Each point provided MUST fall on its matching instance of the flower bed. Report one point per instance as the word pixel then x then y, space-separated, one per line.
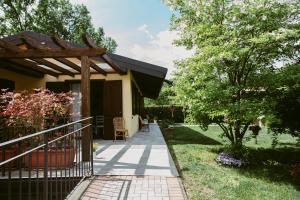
pixel 227 159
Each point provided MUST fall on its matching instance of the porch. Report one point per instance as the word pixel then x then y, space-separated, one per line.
pixel 144 154
pixel 48 164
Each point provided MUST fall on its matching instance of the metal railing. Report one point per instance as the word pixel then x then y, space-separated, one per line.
pixel 44 165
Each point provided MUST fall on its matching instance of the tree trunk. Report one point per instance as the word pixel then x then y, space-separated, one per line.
pixel 235 133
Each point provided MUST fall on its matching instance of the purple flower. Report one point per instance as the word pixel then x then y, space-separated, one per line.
pixel 227 159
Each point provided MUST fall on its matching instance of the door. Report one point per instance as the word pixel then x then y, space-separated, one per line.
pixel 112 106
pixel 97 107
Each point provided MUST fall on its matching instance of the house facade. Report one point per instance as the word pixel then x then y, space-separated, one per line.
pixel 118 85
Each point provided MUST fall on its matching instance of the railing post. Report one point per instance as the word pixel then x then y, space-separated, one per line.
pixel 46 167
pixel 92 155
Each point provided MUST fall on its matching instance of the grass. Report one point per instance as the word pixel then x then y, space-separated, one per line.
pixel 95 147
pixel 268 176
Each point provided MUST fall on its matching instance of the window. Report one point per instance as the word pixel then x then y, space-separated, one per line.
pixel 7 84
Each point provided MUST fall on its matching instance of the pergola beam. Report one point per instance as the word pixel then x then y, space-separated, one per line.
pixel 33 43
pixel 90 43
pixel 69 63
pixel 34 66
pixel 37 45
pixel 64 45
pixel 97 68
pixel 9 47
pixel 5 64
pixel 61 43
pixel 41 51
pixel 53 53
pixel 15 49
pixel 53 66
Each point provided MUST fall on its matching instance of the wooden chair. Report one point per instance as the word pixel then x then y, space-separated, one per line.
pixel 119 128
pixel 144 124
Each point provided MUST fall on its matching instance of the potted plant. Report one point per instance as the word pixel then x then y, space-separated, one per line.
pixel 39 110
pixel 8 151
pixel 60 155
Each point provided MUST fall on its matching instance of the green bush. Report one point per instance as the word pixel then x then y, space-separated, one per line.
pixel 166 123
pixel 165 112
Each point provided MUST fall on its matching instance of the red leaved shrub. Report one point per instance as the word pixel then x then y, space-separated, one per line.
pixel 34 108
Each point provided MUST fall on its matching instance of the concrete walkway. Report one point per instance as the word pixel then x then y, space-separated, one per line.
pixel 139 169
pixel 146 153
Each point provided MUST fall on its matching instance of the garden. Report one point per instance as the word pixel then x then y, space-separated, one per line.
pixel 273 172
pixel 240 95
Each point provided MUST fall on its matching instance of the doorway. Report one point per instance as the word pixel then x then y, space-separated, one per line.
pixel 97 104
pixel 106 101
pixel 96 100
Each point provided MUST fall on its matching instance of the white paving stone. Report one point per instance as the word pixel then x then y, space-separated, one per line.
pixel 146 153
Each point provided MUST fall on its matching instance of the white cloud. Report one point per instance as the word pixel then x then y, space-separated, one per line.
pixel 137 43
pixel 159 50
pixel 144 28
pixel 79 1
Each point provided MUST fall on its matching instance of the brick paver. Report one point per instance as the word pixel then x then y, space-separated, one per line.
pixel 134 188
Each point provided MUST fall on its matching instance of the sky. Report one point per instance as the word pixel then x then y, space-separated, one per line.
pixel 140 27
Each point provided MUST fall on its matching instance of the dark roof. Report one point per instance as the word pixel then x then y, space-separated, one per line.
pixel 149 77
pixel 15 39
pixel 139 66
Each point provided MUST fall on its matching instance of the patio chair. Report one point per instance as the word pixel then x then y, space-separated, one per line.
pixel 144 124
pixel 99 124
pixel 119 128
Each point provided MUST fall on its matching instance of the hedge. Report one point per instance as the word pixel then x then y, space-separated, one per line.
pixel 165 112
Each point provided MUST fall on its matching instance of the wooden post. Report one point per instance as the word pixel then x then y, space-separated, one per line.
pixel 85 107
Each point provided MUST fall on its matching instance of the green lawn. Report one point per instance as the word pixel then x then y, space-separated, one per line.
pixel 268 177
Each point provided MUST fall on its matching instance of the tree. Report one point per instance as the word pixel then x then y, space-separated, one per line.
pixel 165 96
pixel 57 17
pixel 286 94
pixel 237 45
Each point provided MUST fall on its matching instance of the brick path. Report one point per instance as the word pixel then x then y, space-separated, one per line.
pixel 134 188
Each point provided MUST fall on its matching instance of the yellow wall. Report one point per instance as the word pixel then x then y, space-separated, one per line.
pixel 23 82
pixel 131 121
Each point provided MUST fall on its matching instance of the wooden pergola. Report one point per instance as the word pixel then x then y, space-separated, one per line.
pixel 35 55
